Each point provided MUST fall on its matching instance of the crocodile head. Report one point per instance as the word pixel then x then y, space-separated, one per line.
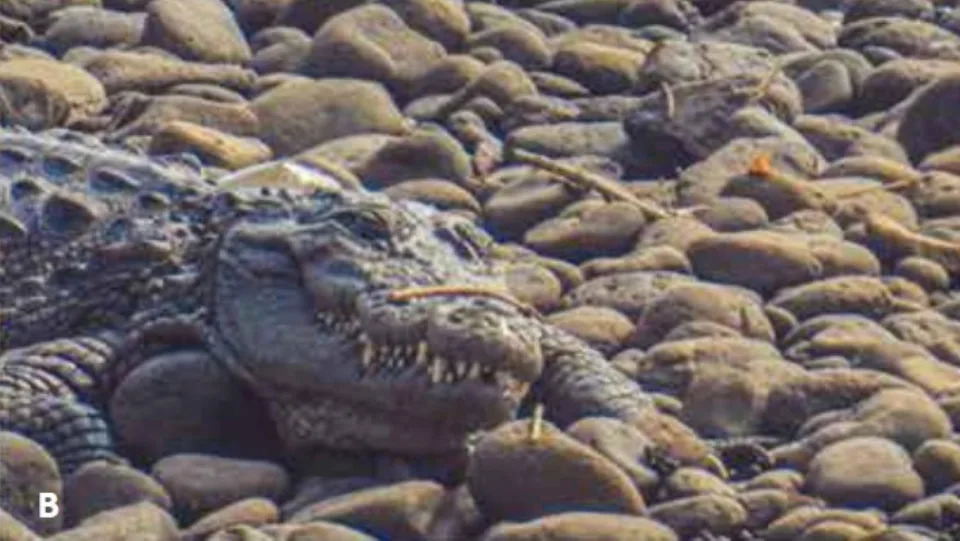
pixel 324 315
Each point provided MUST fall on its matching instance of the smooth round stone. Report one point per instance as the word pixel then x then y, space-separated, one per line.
pixel 864 472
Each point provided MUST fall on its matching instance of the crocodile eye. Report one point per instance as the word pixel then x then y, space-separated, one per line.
pixel 368 225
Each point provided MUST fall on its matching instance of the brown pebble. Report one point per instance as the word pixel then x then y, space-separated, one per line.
pixel 26 469
pixel 100 486
pixel 212 146
pixel 516 476
pixel 200 484
pixel 400 511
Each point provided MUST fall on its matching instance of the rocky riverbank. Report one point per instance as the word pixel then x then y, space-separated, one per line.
pixel 752 208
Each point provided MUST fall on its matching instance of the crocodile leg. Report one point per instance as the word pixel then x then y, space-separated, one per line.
pixel 578 382
pixel 46 392
pixel 72 432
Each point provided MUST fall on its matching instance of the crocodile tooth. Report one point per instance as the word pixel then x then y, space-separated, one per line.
pixel 366 358
pixel 474 371
pixel 422 352
pixel 436 369
pixel 460 369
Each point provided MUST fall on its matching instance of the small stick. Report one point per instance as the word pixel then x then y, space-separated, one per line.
pixel 536 423
pixel 411 293
pixel 760 91
pixel 893 186
pixel 580 178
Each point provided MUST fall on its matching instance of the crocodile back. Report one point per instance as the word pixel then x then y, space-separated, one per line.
pixel 89 232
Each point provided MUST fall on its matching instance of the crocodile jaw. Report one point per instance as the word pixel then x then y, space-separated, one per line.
pixel 312 328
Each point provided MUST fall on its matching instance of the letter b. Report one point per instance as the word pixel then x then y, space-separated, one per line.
pixel 49 508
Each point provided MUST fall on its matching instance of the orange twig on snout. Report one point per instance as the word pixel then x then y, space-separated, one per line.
pixel 411 293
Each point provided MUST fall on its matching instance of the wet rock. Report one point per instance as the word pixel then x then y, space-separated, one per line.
pixel 891 82
pixel 146 72
pixel 710 177
pixel 526 198
pixel 534 284
pixel 939 512
pixel 836 139
pixel 501 81
pixel 251 512
pixel 200 484
pixel 558 85
pixel 537 110
pixel 929 329
pixel 210 145
pixel 938 462
pixel 729 214
pixel 14 530
pixel 327 531
pixel 420 155
pixel 550 24
pixel 903 416
pixel 569 475
pixel 826 87
pixel 515 43
pixel 449 74
pixel 928 274
pixel 628 293
pixel 587 229
pixel 623 444
pixel 602 69
pixel 719 400
pixel 677 232
pixel 680 61
pixel 917 39
pixel 844 294
pixel 777 27
pixel 909 9
pixel 283 53
pixel 82 94
pixel 698 115
pixel 201 30
pixel 864 472
pixel 606 139
pixel 95 27
pixel 840 258
pixel 603 328
pixel 831 523
pixel 671 367
pixel 711 512
pixel 100 486
pixel 143 520
pixel 371 42
pixel 208 92
pixel 578 525
pixel 689 482
pixel 655 258
pixel 26 469
pixel 145 115
pixel 441 194
pixel 299 114
pixel 763 261
pixel 765 505
pixel 400 511
pixel 701 302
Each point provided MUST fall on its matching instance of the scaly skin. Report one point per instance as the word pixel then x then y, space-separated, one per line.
pixel 301 297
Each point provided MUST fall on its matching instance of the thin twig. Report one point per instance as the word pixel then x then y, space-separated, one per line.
pixel 581 178
pixel 411 293
pixel 536 423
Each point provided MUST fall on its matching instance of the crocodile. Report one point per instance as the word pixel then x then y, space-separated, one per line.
pixel 361 322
